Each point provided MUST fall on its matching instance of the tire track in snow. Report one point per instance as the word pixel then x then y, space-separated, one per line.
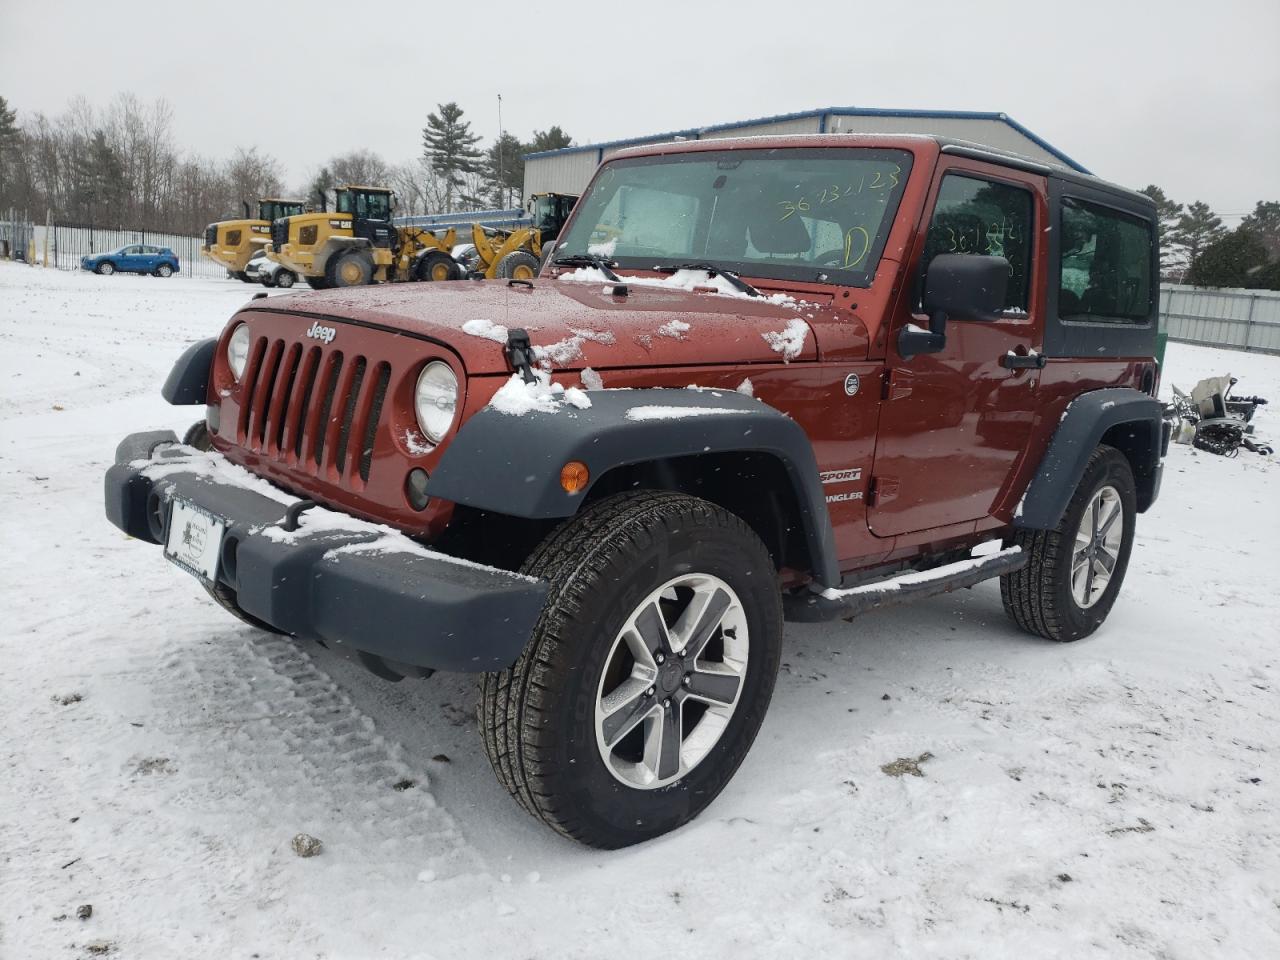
pixel 265 730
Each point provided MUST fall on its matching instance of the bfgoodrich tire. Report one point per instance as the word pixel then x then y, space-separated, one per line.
pixel 660 606
pixel 1075 571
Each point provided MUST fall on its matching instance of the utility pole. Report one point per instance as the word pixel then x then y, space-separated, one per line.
pixel 502 184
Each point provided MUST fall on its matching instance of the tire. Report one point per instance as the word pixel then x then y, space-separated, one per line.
pixel 437 266
pixel 197 436
pixel 164 270
pixel 518 265
pixel 350 269
pixel 285 279
pixel 242 276
pixel 1044 598
pixel 266 280
pixel 539 718
pixel 106 268
pixel 317 283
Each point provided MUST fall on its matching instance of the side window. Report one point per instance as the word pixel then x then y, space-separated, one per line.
pixel 1105 265
pixel 982 216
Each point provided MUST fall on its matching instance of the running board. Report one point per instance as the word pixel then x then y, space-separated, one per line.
pixel 831 604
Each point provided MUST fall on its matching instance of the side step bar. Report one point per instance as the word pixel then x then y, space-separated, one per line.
pixel 831 604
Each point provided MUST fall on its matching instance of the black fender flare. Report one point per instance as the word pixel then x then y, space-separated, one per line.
pixel 188 381
pixel 511 464
pixel 1084 423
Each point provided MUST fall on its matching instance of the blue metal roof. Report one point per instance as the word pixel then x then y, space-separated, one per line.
pixel 694 133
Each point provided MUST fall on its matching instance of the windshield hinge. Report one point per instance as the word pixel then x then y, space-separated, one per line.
pixel 520 354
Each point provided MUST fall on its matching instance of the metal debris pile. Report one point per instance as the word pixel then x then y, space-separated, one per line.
pixel 1211 419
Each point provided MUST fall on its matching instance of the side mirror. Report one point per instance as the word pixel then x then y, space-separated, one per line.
pixel 957 286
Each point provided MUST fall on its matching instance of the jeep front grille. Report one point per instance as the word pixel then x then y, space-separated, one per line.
pixel 312 409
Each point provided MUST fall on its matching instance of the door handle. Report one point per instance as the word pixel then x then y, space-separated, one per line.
pixel 1020 361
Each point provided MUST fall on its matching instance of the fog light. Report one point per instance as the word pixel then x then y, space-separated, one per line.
pixel 415 488
pixel 574 476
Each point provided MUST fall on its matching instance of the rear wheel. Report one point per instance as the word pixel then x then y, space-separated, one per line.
pixel 648 674
pixel 518 265
pixel 164 270
pixel 106 268
pixel 350 269
pixel 242 276
pixel 285 279
pixel 1075 571
pixel 438 266
pixel 317 283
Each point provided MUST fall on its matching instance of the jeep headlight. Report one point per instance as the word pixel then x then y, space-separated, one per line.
pixel 238 350
pixel 436 399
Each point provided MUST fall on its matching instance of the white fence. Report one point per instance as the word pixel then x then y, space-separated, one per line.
pixel 1232 318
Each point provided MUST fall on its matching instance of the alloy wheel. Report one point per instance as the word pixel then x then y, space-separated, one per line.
pixel 1097 547
pixel 671 681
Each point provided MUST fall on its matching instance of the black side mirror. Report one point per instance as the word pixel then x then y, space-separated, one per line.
pixel 957 286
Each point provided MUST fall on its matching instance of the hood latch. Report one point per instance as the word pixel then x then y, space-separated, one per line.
pixel 520 354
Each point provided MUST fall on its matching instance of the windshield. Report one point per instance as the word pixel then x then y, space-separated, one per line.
pixel 544 212
pixel 270 210
pixel 365 205
pixel 797 214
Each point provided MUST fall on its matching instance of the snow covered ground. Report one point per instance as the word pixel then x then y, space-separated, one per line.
pixel 1117 797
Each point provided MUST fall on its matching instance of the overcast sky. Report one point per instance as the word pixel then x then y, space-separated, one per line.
pixel 1183 94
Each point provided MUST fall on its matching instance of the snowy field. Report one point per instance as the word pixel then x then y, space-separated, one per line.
pixel 1119 797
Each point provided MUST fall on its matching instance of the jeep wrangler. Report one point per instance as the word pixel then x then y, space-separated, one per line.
pixel 775 377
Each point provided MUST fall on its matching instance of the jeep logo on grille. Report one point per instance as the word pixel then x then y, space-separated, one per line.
pixel 322 333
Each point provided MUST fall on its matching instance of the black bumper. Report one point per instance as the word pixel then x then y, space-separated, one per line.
pixel 391 609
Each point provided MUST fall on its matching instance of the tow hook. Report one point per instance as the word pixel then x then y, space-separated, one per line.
pixel 520 354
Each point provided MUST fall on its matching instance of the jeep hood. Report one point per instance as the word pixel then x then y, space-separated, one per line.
pixel 572 324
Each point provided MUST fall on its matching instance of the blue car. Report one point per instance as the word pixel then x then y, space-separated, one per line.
pixel 133 258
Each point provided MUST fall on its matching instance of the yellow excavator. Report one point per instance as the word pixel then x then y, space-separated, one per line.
pixel 357 243
pixel 232 242
pixel 516 254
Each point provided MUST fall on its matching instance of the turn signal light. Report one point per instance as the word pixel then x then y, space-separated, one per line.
pixel 574 476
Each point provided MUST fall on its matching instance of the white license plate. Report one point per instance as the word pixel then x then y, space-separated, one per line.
pixel 195 540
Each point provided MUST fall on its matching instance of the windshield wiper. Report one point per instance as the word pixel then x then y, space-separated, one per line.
pixel 735 281
pixel 590 260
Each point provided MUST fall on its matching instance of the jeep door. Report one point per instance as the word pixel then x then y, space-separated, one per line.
pixel 954 422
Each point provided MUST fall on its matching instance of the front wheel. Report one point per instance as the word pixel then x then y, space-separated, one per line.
pixel 648 674
pixel 106 268
pixel 351 269
pixel 1074 571
pixel 518 265
pixel 437 266
pixel 285 279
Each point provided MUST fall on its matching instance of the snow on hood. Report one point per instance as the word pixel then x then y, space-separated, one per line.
pixel 574 324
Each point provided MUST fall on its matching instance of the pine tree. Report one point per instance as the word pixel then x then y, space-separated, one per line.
pixel 1264 223
pixel 1233 260
pixel 504 169
pixel 9 135
pixel 1197 228
pixel 100 177
pixel 553 139
pixel 450 147
pixel 1168 214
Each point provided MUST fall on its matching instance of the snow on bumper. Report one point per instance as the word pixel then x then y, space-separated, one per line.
pixel 359 587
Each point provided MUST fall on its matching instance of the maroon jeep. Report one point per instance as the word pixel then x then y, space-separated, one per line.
pixel 797 376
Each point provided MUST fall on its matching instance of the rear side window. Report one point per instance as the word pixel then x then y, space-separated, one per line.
pixel 1105 264
pixel 985 217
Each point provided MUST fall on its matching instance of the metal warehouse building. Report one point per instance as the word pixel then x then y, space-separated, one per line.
pixel 568 170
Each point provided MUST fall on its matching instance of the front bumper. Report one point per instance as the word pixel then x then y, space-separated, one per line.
pixel 395 607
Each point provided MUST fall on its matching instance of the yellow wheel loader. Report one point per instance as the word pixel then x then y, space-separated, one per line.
pixel 357 244
pixel 232 242
pixel 517 254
